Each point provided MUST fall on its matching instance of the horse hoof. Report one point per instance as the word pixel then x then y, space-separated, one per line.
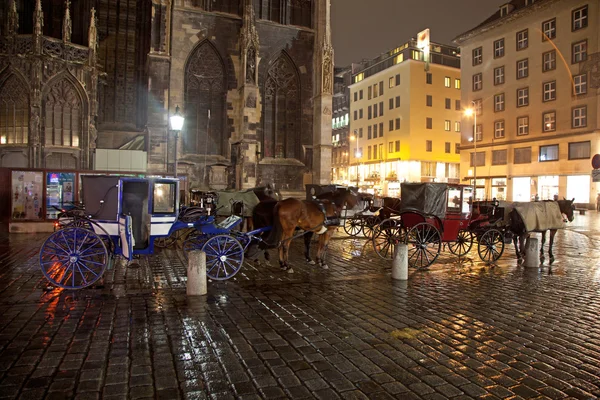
pixel 290 271
pixel 551 260
pixel 311 262
pixel 325 266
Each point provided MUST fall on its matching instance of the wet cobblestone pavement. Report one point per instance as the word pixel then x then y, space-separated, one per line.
pixel 461 330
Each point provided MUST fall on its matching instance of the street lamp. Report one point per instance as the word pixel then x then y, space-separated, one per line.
pixel 176 124
pixel 468 113
pixel 357 154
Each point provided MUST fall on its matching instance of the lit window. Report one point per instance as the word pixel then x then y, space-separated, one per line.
pixel 457 84
pixel 548 153
pixel 457 126
pixel 447 81
pixel 549 121
pixel 447 125
pixel 359 77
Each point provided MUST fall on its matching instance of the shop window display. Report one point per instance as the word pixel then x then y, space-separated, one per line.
pixel 27 191
pixel 60 192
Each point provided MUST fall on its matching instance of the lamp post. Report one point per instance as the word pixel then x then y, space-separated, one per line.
pixel 473 112
pixel 176 124
pixel 357 154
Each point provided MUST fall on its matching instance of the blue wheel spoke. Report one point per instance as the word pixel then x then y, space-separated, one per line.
pixel 59 247
pixel 233 266
pixel 94 262
pixel 90 255
pixel 90 248
pixel 69 250
pixel 86 267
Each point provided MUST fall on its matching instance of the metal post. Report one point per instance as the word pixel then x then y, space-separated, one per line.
pixel 176 143
pixel 475 156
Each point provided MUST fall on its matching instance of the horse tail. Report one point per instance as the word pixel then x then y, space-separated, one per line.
pixel 276 231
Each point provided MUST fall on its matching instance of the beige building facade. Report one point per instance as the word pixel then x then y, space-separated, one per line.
pixel 531 74
pixel 405 117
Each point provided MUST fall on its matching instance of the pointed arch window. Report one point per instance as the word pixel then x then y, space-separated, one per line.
pixel 281 112
pixel 205 94
pixel 62 119
pixel 301 13
pixel 14 111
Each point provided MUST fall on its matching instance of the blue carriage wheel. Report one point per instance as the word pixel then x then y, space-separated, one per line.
pixel 224 257
pixel 73 258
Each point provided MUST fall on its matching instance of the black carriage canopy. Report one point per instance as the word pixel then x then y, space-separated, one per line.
pixel 100 196
pixel 428 198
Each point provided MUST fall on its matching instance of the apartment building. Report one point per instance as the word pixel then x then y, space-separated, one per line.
pixel 405 118
pixel 340 123
pixel 530 72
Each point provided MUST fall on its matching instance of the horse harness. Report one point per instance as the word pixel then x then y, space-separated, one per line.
pixel 333 220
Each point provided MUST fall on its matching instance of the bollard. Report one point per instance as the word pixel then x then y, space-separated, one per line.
pixel 532 253
pixel 400 262
pixel 196 273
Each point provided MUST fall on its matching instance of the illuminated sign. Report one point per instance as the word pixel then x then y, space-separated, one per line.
pixel 423 45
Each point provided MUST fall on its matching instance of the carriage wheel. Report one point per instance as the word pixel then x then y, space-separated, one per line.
pixel 369 225
pixel 386 236
pixel 173 239
pixel 224 257
pixel 193 242
pixel 463 243
pixel 424 244
pixel 353 226
pixel 73 258
pixel 491 245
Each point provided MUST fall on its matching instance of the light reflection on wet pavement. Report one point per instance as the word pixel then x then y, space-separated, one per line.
pixel 463 329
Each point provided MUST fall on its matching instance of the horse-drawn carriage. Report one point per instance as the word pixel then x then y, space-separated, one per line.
pixel 432 214
pixel 125 216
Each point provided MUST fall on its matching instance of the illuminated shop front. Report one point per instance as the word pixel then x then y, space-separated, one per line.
pixel 499 188
pixel 547 187
pixel 521 188
pixel 578 188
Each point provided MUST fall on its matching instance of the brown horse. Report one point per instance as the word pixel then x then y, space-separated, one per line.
pixel 319 216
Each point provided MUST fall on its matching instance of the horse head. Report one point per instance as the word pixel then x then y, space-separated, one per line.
pixel 567 208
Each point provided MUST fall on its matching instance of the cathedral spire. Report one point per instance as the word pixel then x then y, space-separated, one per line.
pixel 249 43
pixel 92 36
pixel 12 22
pixel 327 49
pixel 38 19
pixel 66 31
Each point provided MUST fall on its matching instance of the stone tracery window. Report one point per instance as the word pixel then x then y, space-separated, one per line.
pixel 301 13
pixel 14 111
pixel 281 112
pixel 205 90
pixel 62 119
pixel 226 6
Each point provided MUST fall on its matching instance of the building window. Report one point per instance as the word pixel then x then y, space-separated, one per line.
pixel 369 132
pixel 391 105
pixel 479 132
pixel 549 29
pixel 579 117
pixel 391 82
pixel 457 105
pixel 579 18
pixel 391 125
pixel 381 108
pixel 477 82
pixel 380 129
pixel 522 39
pixel 499 129
pixel 397 145
pixel 355 96
pixel 480 159
pixel 369 93
pixel 457 84
pixel 355 115
pixel 397 123
pixel 580 150
pixel 456 148
pixel 499 102
pixel 499 48
pixel 360 114
pixel 499 75
pixel 429 78
pixel 397 101
pixel 448 147
pixel 360 95
pixel 523 97
pixel 381 88
pixel 369 113
pixel 549 121
pixel 548 153
pixel 428 146
pixel 456 126
pixel 390 147
pixel 522 126
pixel 549 91
pixel 477 56
pixel 447 125
pixel 580 84
pixel 523 155
pixel 549 61
pixel 375 109
pixel 499 157
pixel 429 101
pixel 448 104
pixel 478 107
pixel 360 133
pixel 579 52
pixel 375 131
pixel 523 68
pixel 369 152
pixel 429 123
pixel 397 79
pixel 375 90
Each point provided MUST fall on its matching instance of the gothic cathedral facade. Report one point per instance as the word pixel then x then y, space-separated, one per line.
pixel 252 77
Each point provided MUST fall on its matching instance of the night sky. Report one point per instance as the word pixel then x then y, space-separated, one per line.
pixel 367 28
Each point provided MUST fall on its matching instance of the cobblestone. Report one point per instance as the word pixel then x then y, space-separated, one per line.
pixel 461 330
